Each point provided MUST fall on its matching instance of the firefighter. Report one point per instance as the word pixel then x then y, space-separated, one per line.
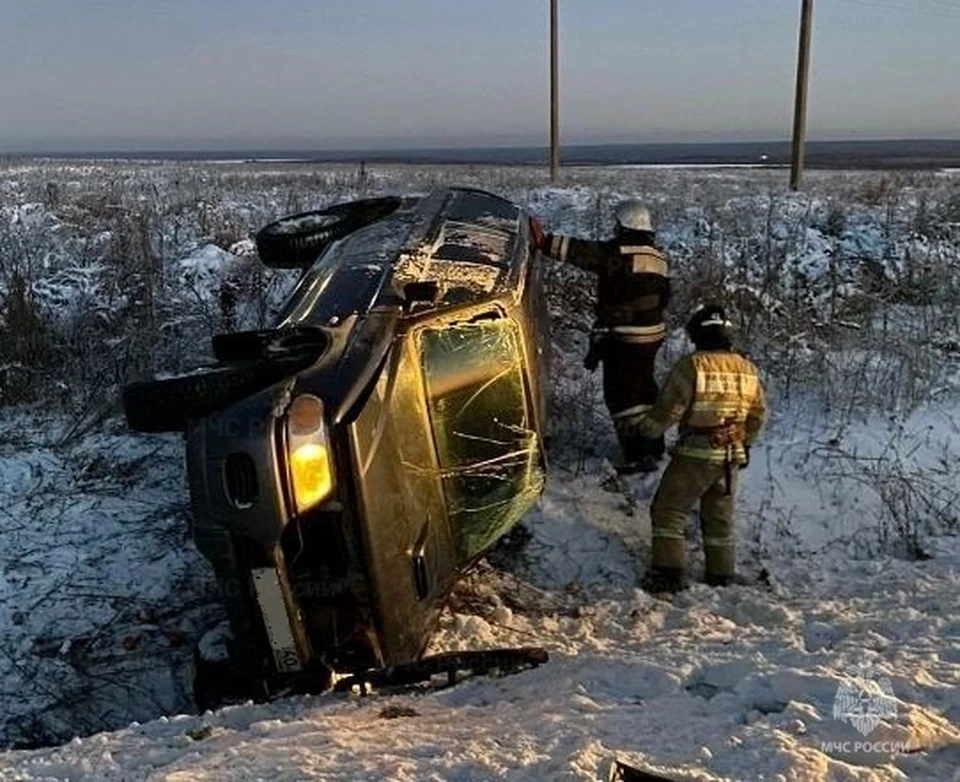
pixel 633 288
pixel 716 397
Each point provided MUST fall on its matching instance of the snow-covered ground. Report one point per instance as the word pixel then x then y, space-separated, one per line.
pixel 98 591
pixel 739 683
pixel 852 508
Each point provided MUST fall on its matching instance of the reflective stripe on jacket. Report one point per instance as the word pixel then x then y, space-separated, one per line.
pixel 634 335
pixel 717 399
pixel 644 259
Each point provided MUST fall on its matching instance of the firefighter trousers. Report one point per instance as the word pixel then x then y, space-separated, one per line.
pixel 629 389
pixel 685 481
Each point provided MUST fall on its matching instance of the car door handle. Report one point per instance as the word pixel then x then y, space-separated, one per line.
pixel 421 579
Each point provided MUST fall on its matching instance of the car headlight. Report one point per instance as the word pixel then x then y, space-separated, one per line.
pixel 311 469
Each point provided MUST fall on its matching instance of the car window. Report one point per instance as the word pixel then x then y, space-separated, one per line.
pixel 346 277
pixel 487 448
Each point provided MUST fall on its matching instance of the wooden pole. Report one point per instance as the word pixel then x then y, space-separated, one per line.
pixel 554 96
pixel 800 99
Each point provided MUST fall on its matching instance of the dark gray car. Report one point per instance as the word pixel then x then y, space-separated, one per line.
pixel 347 465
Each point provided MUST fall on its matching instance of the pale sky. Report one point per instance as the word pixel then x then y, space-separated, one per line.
pixel 232 74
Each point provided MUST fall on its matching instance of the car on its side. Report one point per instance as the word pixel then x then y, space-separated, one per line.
pixel 347 465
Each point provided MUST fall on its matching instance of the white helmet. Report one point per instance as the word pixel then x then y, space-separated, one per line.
pixel 634 216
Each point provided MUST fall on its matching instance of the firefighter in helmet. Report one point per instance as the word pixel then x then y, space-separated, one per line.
pixel 633 289
pixel 716 397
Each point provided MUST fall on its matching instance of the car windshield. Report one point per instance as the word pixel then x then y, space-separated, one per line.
pixel 346 278
pixel 486 445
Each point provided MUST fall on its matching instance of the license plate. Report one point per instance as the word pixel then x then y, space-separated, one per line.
pixel 275 619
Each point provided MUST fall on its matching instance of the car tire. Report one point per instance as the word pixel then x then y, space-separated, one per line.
pixel 295 242
pixel 167 405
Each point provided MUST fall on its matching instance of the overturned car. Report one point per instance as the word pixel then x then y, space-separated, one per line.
pixel 347 465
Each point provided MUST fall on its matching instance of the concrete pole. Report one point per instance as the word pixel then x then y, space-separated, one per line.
pixel 800 99
pixel 554 96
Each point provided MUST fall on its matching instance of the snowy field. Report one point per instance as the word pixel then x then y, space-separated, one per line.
pixel 847 296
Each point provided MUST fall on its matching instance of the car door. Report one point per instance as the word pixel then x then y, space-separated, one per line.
pixel 488 449
pixel 409 551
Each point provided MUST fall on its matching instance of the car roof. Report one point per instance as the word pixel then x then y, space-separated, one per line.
pixel 466 249
pixel 462 239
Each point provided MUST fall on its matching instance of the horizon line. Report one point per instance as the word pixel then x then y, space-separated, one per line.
pixel 303 148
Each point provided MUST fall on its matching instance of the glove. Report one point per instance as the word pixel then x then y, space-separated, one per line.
pixel 538 237
pixel 592 360
pixel 595 353
pixel 746 462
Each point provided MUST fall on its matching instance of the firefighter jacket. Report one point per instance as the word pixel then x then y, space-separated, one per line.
pixel 633 285
pixel 718 401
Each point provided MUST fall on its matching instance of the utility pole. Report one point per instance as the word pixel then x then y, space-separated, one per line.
pixel 554 96
pixel 800 99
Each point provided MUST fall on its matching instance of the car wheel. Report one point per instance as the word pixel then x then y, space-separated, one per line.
pixel 167 405
pixel 295 242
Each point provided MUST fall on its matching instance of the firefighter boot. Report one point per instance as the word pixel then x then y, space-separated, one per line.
pixel 660 580
pixel 641 464
pixel 734 579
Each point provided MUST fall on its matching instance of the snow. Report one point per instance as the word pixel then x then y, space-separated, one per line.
pixel 720 684
pixel 93 550
pixel 850 507
pixel 728 684
pixel 206 261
